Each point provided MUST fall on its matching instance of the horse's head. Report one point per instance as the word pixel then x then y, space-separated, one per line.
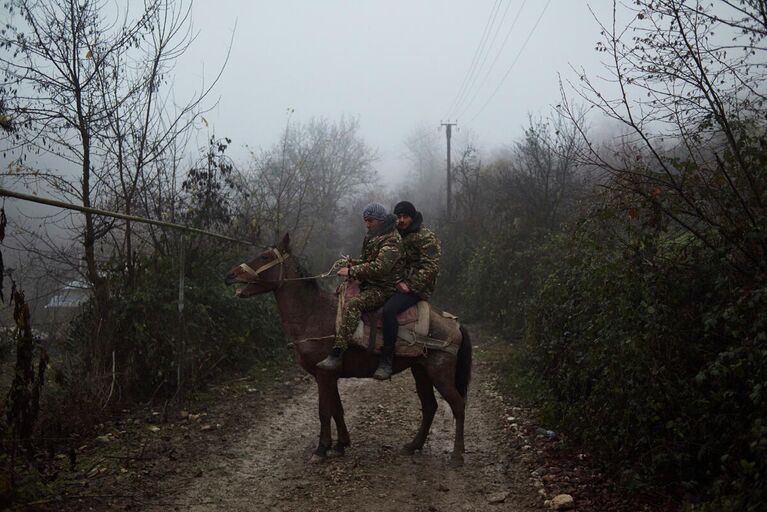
pixel 262 274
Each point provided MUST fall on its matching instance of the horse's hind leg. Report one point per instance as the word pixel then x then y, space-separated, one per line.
pixel 446 387
pixel 428 408
pixel 343 440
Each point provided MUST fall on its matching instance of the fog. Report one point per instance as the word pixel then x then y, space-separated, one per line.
pixel 600 229
pixel 395 65
pixel 398 69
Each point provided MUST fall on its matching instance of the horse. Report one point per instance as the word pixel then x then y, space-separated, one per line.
pixel 308 316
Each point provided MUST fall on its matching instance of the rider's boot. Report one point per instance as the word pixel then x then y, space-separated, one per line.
pixel 334 360
pixel 384 370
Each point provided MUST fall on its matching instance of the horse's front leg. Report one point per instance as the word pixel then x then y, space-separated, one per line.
pixel 325 385
pixel 343 440
pixel 428 408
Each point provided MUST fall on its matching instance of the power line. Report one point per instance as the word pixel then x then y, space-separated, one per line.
pixel 495 60
pixel 477 53
pixel 522 48
pixel 484 58
pixel 116 215
pixel 475 59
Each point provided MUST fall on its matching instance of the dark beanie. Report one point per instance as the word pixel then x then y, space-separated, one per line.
pixel 405 207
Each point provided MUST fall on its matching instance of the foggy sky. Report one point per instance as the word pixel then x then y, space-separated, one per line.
pixel 395 64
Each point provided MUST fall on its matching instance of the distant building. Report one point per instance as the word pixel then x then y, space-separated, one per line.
pixel 73 295
pixel 65 304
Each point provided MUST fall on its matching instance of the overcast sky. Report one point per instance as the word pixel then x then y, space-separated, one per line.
pixel 395 64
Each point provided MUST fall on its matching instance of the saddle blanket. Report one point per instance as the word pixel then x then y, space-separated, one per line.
pixel 422 328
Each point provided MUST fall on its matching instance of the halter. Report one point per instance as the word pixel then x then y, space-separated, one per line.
pixel 279 260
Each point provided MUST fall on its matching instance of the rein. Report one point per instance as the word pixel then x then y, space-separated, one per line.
pixel 279 260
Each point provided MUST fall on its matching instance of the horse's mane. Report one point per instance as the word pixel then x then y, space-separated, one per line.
pixel 304 272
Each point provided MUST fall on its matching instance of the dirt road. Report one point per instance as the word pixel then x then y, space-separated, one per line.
pixel 246 445
pixel 267 466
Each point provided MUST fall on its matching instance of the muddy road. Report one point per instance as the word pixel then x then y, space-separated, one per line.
pixel 247 444
pixel 266 467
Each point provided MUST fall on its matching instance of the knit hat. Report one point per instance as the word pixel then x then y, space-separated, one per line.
pixel 405 207
pixel 374 211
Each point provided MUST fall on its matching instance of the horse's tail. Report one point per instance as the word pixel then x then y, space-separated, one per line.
pixel 463 364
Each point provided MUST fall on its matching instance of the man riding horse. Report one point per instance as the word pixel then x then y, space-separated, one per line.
pixel 419 268
pixel 376 270
pixel 308 316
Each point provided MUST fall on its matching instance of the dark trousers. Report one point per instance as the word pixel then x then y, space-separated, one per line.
pixel 396 304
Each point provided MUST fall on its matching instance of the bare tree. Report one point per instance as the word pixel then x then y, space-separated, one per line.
pixel 541 177
pixel 143 125
pixel 691 87
pixel 470 185
pixel 54 59
pixel 424 183
pixel 88 90
pixel 302 183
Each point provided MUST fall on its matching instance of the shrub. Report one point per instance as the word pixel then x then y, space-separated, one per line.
pixel 652 353
pixel 157 348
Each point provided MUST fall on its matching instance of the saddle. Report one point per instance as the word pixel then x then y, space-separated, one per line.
pixel 422 327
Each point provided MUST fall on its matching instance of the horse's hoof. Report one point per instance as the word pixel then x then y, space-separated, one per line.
pixel 316 459
pixel 456 460
pixel 334 453
pixel 410 448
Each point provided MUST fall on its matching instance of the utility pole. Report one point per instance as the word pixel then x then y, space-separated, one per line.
pixel 448 132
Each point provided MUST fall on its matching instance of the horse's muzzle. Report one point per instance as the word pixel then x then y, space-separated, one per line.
pixel 232 278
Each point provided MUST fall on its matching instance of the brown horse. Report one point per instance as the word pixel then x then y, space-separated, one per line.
pixel 308 317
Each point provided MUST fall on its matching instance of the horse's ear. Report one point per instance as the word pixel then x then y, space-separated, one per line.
pixel 284 244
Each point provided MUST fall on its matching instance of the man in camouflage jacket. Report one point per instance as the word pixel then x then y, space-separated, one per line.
pixel 376 270
pixel 419 269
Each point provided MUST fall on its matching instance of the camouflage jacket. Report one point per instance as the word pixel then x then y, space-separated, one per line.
pixel 381 251
pixel 420 259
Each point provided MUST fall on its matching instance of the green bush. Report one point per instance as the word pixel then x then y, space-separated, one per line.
pixel 498 280
pixel 151 339
pixel 652 353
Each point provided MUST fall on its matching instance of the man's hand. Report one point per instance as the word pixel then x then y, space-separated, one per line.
pixel 403 287
pixel 343 272
pixel 344 261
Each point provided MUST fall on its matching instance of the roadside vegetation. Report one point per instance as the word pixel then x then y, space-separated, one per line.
pixel 632 272
pixel 151 324
pixel 628 270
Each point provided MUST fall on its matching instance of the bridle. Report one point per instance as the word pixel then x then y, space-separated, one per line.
pixel 279 260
